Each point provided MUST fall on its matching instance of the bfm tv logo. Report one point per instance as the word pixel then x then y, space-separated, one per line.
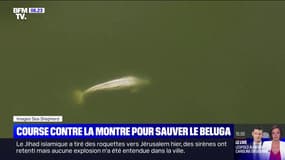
pixel 22 12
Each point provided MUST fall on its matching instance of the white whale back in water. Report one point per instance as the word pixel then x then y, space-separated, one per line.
pixel 116 84
pixel 120 83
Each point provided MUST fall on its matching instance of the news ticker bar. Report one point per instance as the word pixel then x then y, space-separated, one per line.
pixel 105 149
pixel 220 141
pixel 26 131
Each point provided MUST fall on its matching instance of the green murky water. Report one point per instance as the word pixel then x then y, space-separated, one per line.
pixel 207 61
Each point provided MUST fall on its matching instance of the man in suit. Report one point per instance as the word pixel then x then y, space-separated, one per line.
pixel 256 147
